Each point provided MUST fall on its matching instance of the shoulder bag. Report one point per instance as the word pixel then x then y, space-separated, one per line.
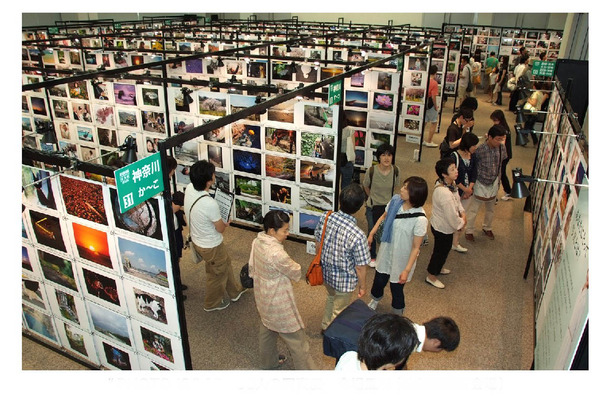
pixel 379 232
pixel 196 257
pixel 314 275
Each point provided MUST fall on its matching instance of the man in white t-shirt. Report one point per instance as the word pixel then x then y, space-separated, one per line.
pixel 206 227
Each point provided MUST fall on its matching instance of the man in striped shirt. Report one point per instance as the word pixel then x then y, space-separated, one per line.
pixel 345 253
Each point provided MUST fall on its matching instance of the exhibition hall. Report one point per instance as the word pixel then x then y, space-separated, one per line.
pixel 293 113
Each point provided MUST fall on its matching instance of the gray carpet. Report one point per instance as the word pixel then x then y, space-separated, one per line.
pixel 485 293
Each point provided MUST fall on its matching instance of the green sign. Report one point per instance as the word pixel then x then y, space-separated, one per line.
pixel 139 181
pixel 335 92
pixel 543 68
pixel 53 30
pixel 117 25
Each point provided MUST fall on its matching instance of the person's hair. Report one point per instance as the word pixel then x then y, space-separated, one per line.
pixel 466 113
pixel 172 164
pixel 522 49
pixel 442 166
pixel 537 85
pixel 275 219
pixel 386 339
pixel 493 53
pixel 497 130
pixel 351 198
pixel 433 70
pixel 499 115
pixel 470 103
pixel 542 55
pixel 445 330
pixel 417 187
pixel 468 140
pixel 523 59
pixel 466 58
pixel 201 173
pixel 382 149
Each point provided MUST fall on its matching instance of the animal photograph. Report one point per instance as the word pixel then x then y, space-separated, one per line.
pixel 150 305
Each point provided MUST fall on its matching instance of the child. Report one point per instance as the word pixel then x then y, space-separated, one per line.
pixel 403 233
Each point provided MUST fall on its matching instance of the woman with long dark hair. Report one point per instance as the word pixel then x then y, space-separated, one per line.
pixel 498 118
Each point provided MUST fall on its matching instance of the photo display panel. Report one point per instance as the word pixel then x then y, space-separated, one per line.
pixel 89 272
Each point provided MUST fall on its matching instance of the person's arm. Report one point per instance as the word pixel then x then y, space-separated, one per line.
pixel 220 225
pixel 374 230
pixel 287 266
pixel 361 274
pixel 404 275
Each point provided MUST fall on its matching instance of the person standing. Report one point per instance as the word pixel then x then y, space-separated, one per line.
pixel 520 93
pixel 467 176
pixel 465 80
pixel 272 270
pixel 448 216
pixel 501 79
pixel 379 182
pixel 347 155
pixel 206 228
pixel 431 115
pixel 345 253
pixel 489 157
pixel 463 121
pixel 498 118
pixel 405 226
pixel 491 63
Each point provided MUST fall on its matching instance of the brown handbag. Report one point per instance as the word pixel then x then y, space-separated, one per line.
pixel 314 273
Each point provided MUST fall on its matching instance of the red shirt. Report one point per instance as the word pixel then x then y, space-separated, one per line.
pixel 432 88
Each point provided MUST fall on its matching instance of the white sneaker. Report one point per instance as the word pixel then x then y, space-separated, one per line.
pixel 459 248
pixel 506 197
pixel 430 144
pixel 373 264
pixel 373 304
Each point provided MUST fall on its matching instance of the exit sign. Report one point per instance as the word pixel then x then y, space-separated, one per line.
pixel 139 181
pixel 543 68
pixel 335 92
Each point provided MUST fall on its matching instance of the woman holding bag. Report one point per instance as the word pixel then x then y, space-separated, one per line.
pixel 272 270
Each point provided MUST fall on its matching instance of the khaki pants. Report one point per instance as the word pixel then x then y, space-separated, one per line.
pixel 486 195
pixel 335 303
pixel 219 276
pixel 297 343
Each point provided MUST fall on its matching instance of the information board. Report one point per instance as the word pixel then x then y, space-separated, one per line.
pixel 139 181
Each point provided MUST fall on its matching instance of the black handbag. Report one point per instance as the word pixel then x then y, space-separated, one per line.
pixel 244 277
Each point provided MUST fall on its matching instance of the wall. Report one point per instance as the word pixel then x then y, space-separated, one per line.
pixel 432 20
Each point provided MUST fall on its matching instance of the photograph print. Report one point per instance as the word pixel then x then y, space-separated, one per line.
pixel 116 357
pixel 127 117
pixel 318 145
pixel 187 152
pixel 47 230
pixel 37 190
pixel 60 109
pixel 153 121
pixel 356 98
pixel 315 200
pixel 151 96
pixel 320 174
pixel 383 101
pixel 102 286
pixel 92 244
pixel 39 322
pixel 157 344
pixel 241 102
pixel 109 323
pixel 76 339
pixel 246 135
pixel 143 219
pixel 283 112
pixel 125 94
pixel 280 140
pixel 280 167
pixel 248 187
pixel 67 305
pixel 150 305
pixel 355 118
pixel 214 155
pixel 381 121
pixel 33 292
pixel 384 80
pixel 246 161
pixel 418 63
pixel 308 223
pixel 249 211
pixel 280 193
pixel 83 199
pixel 321 116
pixel 144 262
pixel 57 269
pixel 214 135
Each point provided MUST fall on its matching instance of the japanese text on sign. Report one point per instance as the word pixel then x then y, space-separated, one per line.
pixel 139 181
